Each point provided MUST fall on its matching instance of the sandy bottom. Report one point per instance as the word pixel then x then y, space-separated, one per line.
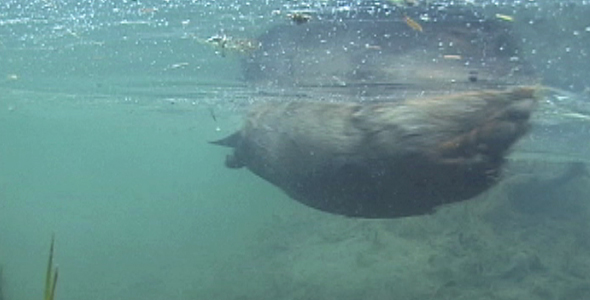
pixel 515 242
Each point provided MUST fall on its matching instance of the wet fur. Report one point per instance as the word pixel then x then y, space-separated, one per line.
pixel 383 160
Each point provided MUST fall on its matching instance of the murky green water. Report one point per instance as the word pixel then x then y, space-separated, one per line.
pixel 105 114
pixel 139 202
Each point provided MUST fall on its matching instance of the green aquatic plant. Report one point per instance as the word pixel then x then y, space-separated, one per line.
pixel 51 275
pixel 1 284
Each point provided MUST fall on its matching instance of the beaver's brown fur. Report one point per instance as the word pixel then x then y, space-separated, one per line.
pixel 383 160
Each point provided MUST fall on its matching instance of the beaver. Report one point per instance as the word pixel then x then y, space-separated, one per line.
pixel 383 160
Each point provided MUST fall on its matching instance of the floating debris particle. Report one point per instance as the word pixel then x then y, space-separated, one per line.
pixel 147 10
pixel 224 43
pixel 452 56
pixel 404 2
pixel 212 113
pixel 576 116
pixel 413 24
pixel 505 17
pixel 372 47
pixel 473 76
pixel 176 66
pixel 219 40
pixel 299 17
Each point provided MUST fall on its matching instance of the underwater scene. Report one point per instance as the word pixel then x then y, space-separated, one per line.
pixel 297 150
